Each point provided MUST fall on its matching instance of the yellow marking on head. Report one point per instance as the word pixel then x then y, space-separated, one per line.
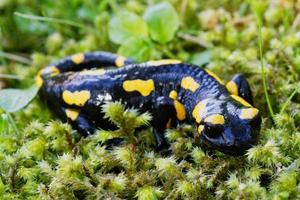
pixel 168 125
pixel 52 71
pixel 241 100
pixel 173 94
pixel 248 113
pixel 232 87
pixel 78 98
pixel 200 129
pixel 215 119
pixel 39 81
pixel 145 87
pixel 180 110
pixel 215 76
pixel 77 58
pixel 120 61
pixel 189 83
pixel 72 113
pixel 163 62
pixel 93 72
pixel 200 110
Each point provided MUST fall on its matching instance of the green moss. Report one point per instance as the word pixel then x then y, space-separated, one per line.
pixel 48 160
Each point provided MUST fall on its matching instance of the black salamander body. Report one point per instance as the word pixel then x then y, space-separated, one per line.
pixel 76 88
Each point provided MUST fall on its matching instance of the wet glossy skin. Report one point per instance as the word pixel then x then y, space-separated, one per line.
pixel 172 91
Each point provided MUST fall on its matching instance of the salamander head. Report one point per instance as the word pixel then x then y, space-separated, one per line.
pixel 230 125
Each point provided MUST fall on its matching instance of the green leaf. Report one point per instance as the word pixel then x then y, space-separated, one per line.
pixel 12 100
pixel 201 58
pixel 125 25
pixel 163 22
pixel 139 49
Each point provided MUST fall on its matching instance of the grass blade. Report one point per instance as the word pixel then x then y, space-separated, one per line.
pixel 263 75
pixel 288 101
pixel 10 76
pixel 15 57
pixel 49 19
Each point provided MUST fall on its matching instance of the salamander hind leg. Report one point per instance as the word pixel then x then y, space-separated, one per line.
pixel 240 86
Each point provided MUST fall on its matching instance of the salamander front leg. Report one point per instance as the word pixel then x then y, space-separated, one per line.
pixel 163 113
pixel 79 121
pixel 240 86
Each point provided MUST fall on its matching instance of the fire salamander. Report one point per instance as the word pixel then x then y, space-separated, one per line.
pixel 76 87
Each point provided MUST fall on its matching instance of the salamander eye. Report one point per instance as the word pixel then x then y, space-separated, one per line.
pixel 213 131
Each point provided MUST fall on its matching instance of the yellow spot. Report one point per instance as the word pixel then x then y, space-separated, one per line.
pixel 163 62
pixel 232 87
pixel 168 125
pixel 93 72
pixel 215 119
pixel 120 61
pixel 52 71
pixel 189 83
pixel 241 100
pixel 78 98
pixel 72 114
pixel 215 76
pixel 77 58
pixel 173 95
pixel 180 110
pixel 248 113
pixel 39 81
pixel 200 129
pixel 145 87
pixel 200 110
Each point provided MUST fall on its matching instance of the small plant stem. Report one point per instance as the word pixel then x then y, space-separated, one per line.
pixel 13 124
pixel 263 75
pixel 10 76
pixel 12 175
pixel 2 60
pixel 15 57
pixel 169 53
pixel 50 19
pixel 69 140
pixel 288 101
pixel 194 39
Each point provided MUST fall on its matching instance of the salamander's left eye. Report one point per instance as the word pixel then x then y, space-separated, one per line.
pixel 212 131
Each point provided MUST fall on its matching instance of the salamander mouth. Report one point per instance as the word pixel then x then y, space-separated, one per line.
pixel 237 150
pixel 238 147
